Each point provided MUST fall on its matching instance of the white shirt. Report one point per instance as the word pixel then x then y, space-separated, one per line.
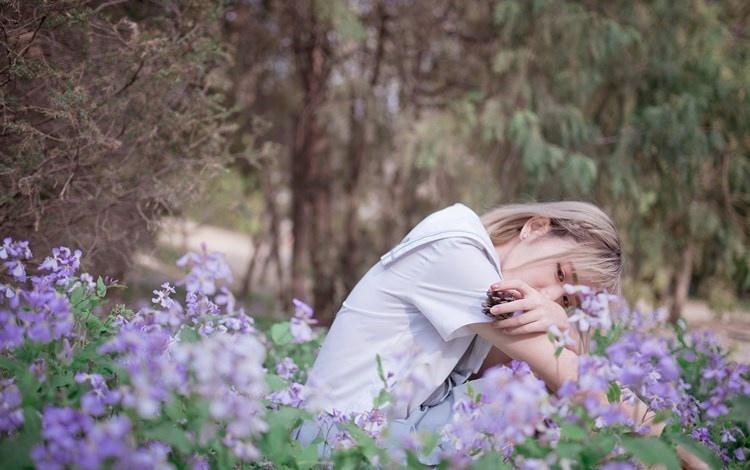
pixel 412 309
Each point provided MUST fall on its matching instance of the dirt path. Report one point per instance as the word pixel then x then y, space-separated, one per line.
pixel 733 329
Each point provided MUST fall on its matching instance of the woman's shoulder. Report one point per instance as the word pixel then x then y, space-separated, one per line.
pixel 456 227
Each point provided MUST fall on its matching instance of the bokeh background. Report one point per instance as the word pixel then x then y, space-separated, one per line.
pixel 304 138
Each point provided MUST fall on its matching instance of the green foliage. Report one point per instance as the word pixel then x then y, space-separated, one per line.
pixel 108 112
pixel 652 451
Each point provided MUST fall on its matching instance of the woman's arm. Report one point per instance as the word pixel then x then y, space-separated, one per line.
pixel 537 350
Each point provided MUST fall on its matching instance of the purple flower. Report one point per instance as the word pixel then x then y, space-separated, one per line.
pixel 95 401
pixel 62 265
pixel 301 309
pixel 65 355
pixel 300 330
pixel 560 339
pixel 286 368
pixel 11 334
pixel 41 315
pixel 162 296
pixel 512 407
pixel 72 439
pixel 567 389
pixel 112 439
pixel 726 436
pixel 198 462
pixel 610 415
pixel 39 369
pixel 371 421
pixel 11 415
pixel 299 325
pixel 63 431
pixel 644 364
pixel 702 435
pixel 206 269
pixel 12 253
pixel 228 374
pixel 87 280
pixel 294 395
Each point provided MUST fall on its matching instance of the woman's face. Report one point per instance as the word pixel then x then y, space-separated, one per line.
pixel 523 258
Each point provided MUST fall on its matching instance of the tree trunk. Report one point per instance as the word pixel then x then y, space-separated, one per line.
pixel 312 263
pixel 247 279
pixel 682 282
pixel 350 258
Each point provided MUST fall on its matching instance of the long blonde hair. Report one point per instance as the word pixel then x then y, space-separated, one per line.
pixel 597 258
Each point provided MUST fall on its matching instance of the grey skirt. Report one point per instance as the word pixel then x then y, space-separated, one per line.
pixel 431 416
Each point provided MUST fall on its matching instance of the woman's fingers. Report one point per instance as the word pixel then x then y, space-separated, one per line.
pixel 517 284
pixel 539 326
pixel 513 306
pixel 514 322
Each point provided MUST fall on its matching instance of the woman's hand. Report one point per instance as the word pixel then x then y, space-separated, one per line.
pixel 538 312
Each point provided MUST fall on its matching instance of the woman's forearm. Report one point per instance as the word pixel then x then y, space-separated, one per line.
pixel 536 350
pixel 539 352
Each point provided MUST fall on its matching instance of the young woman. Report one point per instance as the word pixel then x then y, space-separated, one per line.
pixel 419 309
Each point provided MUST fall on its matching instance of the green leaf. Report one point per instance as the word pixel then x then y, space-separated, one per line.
pixel 305 457
pixel 10 365
pixel 170 434
pixel 276 445
pixel 531 448
pixel 62 379
pixel 280 334
pixel 740 409
pixel 28 385
pixel 101 288
pixel 174 409
pixel 614 392
pixel 473 394
pixel 77 295
pixel 381 373
pixel 651 451
pixel 490 461
pixel 288 417
pixel 382 398
pixel 569 450
pixel 16 452
pixel 572 432
pixel 412 461
pixel 698 449
pixel 275 383
pixel 189 335
pixel 364 441
pixel 596 448
pixel 429 442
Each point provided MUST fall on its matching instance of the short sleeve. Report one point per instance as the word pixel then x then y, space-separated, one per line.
pixel 452 284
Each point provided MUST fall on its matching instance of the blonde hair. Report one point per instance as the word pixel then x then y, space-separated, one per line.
pixel 597 258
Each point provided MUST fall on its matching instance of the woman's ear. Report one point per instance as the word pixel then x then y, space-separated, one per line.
pixel 535 227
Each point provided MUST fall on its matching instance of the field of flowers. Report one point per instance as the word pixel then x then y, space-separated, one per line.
pixel 191 382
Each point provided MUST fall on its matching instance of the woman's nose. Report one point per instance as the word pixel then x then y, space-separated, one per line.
pixel 553 292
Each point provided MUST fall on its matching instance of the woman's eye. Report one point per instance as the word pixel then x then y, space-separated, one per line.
pixel 560 273
pixel 565 301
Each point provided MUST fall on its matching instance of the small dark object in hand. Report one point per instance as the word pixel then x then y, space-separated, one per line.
pixel 495 297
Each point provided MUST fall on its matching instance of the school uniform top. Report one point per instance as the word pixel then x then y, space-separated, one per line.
pixel 412 309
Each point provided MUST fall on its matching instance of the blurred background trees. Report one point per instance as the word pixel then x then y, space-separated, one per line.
pixel 347 121
pixel 112 113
